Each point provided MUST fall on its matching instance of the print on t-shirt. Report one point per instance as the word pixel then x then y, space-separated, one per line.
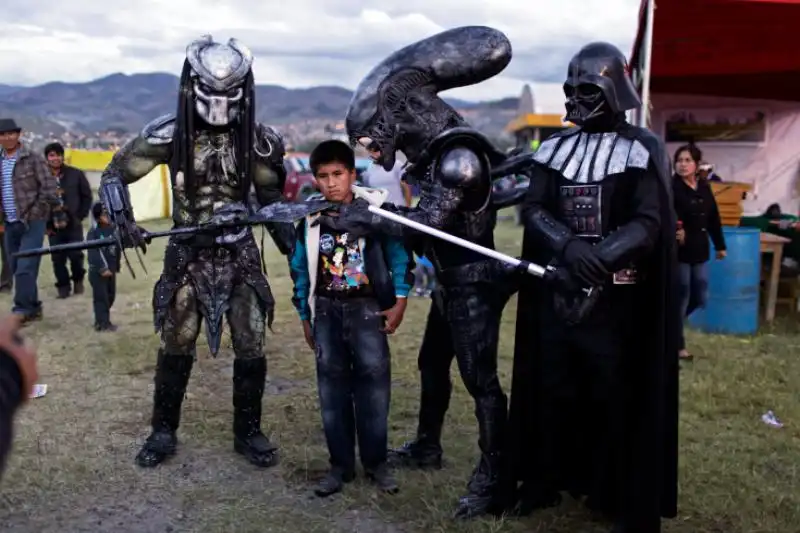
pixel 341 264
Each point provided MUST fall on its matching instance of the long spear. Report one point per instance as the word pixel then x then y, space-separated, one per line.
pixel 276 212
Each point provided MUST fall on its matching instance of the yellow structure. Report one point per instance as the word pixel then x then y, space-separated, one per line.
pixel 536 120
pixel 729 196
pixel 531 128
pixel 151 196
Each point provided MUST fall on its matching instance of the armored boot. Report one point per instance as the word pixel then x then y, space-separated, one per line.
pixel 172 376
pixel 425 451
pixel 249 376
pixel 482 486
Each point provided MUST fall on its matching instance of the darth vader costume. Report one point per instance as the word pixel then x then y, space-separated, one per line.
pixel 217 154
pixel 397 108
pixel 594 399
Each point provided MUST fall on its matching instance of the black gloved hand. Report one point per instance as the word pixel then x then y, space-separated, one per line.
pixel 562 280
pixel 580 259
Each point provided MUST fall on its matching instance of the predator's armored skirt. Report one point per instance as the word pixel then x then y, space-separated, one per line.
pixel 202 284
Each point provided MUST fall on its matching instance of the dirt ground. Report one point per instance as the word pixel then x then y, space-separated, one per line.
pixel 72 466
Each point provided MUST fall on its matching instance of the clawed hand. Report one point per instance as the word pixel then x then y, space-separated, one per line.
pixel 353 218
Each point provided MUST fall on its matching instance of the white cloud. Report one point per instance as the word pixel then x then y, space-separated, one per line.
pixel 297 43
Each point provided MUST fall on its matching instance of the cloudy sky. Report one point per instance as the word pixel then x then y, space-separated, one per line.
pixel 296 43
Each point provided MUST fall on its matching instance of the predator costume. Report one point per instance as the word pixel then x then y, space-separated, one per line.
pixel 397 107
pixel 594 392
pixel 217 154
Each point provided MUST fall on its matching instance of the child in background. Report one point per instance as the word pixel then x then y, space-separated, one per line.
pixel 424 277
pixel 350 292
pixel 103 268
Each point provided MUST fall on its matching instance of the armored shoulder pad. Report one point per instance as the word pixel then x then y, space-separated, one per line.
pixel 269 142
pixel 160 130
pixel 548 147
pixel 461 167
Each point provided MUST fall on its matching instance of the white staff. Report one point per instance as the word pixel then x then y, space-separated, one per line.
pixel 529 267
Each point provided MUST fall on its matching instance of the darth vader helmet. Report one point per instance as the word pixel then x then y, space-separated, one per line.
pixel 598 84
pixel 217 79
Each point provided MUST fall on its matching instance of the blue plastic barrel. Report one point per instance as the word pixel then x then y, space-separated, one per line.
pixel 733 286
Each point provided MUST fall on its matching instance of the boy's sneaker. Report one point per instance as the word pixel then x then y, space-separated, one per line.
pixel 105 327
pixel 383 479
pixel 333 482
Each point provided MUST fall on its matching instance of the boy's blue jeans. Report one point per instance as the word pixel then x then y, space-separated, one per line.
pixel 353 379
pixel 19 237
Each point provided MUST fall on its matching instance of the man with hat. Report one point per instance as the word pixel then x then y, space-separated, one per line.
pixel 27 192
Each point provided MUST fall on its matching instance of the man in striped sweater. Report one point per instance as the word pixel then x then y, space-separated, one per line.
pixel 28 191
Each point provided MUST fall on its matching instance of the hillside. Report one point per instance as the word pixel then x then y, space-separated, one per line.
pixel 127 102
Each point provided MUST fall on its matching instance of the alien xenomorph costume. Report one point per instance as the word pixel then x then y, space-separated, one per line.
pixel 217 154
pixel 594 402
pixel 397 107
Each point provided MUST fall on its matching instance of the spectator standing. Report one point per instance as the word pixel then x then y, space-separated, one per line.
pixel 28 191
pixel 706 171
pixel 376 177
pixel 66 225
pixel 698 218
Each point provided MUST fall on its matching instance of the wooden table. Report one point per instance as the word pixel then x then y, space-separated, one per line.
pixel 773 244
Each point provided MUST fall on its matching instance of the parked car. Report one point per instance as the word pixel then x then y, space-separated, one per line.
pixel 300 183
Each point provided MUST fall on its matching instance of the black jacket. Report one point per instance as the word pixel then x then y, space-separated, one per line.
pixel 77 194
pixel 105 258
pixel 697 210
pixel 10 399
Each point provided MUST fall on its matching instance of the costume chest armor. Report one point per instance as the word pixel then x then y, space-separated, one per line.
pixel 215 159
pixel 471 225
pixel 591 166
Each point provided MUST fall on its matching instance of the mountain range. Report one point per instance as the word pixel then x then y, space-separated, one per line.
pixel 126 102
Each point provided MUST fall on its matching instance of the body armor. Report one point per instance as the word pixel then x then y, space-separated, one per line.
pixel 217 154
pixel 397 107
pixel 588 164
pixel 590 371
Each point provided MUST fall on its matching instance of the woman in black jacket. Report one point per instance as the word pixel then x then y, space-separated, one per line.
pixel 698 219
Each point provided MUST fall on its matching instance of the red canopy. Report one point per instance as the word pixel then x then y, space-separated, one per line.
pixel 739 48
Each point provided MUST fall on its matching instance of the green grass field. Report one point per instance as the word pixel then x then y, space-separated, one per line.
pixel 72 466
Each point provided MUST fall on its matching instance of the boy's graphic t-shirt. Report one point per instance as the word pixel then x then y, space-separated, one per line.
pixel 341 266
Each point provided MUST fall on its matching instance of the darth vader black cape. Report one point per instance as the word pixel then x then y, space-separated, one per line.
pixel 651 369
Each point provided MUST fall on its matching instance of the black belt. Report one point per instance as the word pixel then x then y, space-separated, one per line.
pixel 477 272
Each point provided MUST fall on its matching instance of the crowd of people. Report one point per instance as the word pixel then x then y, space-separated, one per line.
pixel 593 404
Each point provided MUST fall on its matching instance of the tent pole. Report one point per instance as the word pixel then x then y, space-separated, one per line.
pixel 644 113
